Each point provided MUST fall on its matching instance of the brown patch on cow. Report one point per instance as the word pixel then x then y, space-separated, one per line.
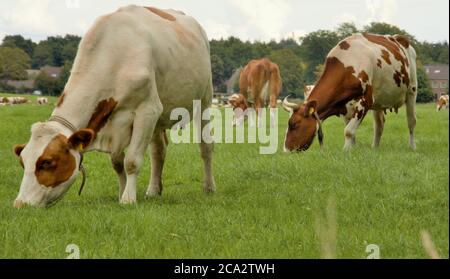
pixel 405 76
pixel 385 56
pixel 379 63
pixel 184 35
pixel 56 164
pixel 403 40
pixel 390 45
pixel 101 115
pixel 363 76
pixel 344 45
pixel 398 78
pixel 161 13
pixel 414 89
pixel 61 99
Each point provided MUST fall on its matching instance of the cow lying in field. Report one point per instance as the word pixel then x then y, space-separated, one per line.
pixel 42 101
pixel 363 72
pixel 133 67
pixel 13 100
pixel 260 85
pixel 442 103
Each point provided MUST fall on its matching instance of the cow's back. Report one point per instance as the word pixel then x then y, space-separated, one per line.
pixel 381 62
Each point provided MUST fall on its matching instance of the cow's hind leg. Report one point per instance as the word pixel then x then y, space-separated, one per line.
pixel 117 162
pixel 378 127
pixel 206 150
pixel 147 115
pixel 158 148
pixel 411 115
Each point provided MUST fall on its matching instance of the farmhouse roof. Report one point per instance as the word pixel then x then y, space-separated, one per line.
pixel 52 71
pixel 437 72
pixel 21 83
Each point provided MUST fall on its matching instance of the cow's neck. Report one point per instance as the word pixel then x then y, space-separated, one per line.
pixel 334 90
pixel 79 105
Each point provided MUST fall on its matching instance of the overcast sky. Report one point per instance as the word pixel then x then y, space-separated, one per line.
pixel 246 19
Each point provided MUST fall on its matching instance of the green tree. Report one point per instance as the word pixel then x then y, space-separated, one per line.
pixel 13 63
pixel 55 51
pixel 314 48
pixel 346 29
pixel 17 41
pixel 47 84
pixel 218 69
pixel 291 70
pixel 424 90
pixel 383 28
pixel 63 78
pixel 319 71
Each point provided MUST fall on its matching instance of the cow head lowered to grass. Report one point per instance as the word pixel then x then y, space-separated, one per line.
pixel 51 163
pixel 363 72
pixel 115 103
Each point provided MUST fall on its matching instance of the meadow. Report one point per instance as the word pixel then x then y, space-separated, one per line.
pixel 266 206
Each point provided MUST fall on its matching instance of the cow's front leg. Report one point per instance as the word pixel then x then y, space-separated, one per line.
pixel 117 162
pixel 158 148
pixel 352 126
pixel 144 124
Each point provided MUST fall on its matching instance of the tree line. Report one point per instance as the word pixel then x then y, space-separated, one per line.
pixel 300 59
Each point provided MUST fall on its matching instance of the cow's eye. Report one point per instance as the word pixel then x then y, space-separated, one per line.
pixel 47 164
pixel 292 126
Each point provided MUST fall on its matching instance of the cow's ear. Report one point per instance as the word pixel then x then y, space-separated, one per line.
pixel 81 139
pixel 310 108
pixel 18 149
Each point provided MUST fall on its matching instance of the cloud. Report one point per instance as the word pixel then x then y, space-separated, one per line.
pixel 345 17
pixel 216 30
pixel 381 10
pixel 264 19
pixel 29 15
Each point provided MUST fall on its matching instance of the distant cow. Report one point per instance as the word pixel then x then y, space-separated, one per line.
pixel 14 100
pixel 259 84
pixel 442 103
pixel 41 100
pixel 363 72
pixel 112 103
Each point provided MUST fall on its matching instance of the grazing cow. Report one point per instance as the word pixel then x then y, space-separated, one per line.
pixel 442 103
pixel 42 101
pixel 307 91
pixel 259 84
pixel 132 68
pixel 14 100
pixel 363 72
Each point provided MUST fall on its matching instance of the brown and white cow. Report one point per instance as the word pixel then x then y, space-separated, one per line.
pixel 259 86
pixel 442 103
pixel 363 72
pixel 41 101
pixel 14 100
pixel 132 68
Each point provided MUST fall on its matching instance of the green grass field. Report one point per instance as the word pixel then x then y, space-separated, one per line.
pixel 266 206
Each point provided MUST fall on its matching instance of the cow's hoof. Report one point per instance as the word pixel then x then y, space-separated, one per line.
pixel 151 193
pixel 209 188
pixel 127 200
